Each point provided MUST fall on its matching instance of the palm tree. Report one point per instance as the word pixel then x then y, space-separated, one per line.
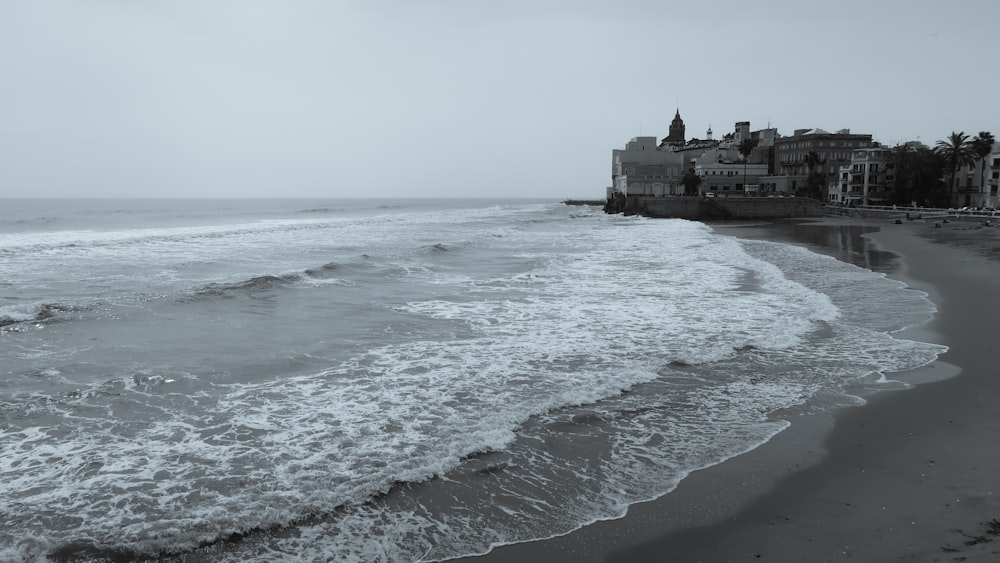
pixel 746 148
pixel 957 152
pixel 982 146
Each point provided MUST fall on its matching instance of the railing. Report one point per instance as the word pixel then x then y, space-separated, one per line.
pixel 894 211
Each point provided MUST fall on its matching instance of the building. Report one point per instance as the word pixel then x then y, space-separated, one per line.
pixel 725 171
pixel 976 185
pixel 644 168
pixel 866 180
pixel 792 166
pixel 729 178
pixel 992 175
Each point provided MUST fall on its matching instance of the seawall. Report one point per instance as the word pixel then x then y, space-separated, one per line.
pixel 708 208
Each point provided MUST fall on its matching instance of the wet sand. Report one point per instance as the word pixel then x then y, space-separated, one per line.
pixel 912 475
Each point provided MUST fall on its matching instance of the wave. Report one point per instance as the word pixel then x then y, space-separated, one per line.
pixel 324 271
pixel 364 270
pixel 35 221
pixel 248 286
pixel 319 210
pixel 62 241
pixel 347 272
pixel 560 362
pixel 35 313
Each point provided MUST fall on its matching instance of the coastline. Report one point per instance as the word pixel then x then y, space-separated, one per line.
pixel 912 474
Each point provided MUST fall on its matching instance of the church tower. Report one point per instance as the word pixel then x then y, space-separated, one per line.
pixel 676 135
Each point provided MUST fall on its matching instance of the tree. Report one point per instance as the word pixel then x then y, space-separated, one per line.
pixel 691 181
pixel 746 149
pixel 917 177
pixel 811 159
pixel 982 146
pixel 815 180
pixel 901 182
pixel 957 152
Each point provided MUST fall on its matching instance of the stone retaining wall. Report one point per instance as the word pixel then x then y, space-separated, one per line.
pixel 707 208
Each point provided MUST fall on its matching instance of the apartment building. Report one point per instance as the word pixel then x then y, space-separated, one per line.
pixel 865 180
pixel 976 185
pixel 791 167
pixel 992 175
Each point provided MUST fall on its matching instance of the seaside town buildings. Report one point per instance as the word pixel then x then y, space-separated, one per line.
pixel 839 167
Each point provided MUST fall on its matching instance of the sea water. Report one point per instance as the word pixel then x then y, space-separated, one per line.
pixel 366 380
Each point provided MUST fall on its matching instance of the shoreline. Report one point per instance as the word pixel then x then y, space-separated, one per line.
pixel 909 475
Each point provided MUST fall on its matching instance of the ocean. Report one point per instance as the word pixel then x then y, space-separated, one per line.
pixel 397 380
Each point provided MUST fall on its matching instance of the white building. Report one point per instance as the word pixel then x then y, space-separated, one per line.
pixel 991 174
pixel 976 185
pixel 866 179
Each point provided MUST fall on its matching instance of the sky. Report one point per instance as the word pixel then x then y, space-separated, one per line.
pixel 455 98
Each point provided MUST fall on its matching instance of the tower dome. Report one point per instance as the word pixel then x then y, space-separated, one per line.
pixel 676 135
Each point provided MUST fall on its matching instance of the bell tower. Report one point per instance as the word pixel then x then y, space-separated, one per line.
pixel 676 135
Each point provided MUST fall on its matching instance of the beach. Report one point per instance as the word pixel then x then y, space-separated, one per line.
pixel 911 475
pixel 405 381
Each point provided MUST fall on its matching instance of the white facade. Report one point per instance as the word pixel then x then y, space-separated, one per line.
pixel 991 173
pixel 866 179
pixel 976 185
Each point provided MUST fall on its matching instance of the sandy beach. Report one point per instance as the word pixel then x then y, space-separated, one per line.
pixel 912 475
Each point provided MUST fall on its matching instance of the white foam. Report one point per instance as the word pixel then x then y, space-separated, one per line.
pixel 592 316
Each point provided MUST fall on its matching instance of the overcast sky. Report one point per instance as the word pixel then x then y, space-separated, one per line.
pixel 400 98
